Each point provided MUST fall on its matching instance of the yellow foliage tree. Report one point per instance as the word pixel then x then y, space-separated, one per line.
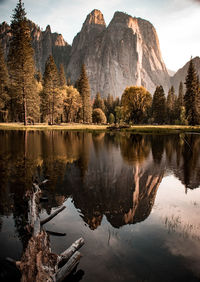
pixel 136 102
pixel 72 103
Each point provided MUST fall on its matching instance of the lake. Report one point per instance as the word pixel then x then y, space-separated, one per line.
pixel 135 199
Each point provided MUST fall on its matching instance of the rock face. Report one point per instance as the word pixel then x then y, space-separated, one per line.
pixel 125 53
pixel 44 44
pixel 181 74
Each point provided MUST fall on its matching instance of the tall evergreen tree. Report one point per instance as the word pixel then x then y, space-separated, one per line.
pixel 159 105
pixel 179 105
pixel 99 102
pixel 84 90
pixel 192 96
pixel 24 98
pixel 4 84
pixel 62 76
pixel 180 95
pixel 38 76
pixel 109 105
pixel 51 97
pixel 170 105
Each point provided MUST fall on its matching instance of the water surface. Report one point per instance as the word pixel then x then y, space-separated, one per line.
pixel 135 199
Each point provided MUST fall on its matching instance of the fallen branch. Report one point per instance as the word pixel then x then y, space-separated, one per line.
pixel 52 215
pixel 38 263
pixel 64 271
pixel 55 233
pixel 65 256
pixel 12 261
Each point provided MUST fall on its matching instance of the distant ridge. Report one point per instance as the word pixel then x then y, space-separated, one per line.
pixel 181 74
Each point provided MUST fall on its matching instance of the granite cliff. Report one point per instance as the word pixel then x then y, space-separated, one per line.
pixel 44 43
pixel 125 53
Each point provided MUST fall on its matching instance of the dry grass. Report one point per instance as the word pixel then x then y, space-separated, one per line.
pixel 43 126
pixel 94 127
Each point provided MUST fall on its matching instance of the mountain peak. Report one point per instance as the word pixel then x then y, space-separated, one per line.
pixel 121 17
pixel 95 18
pixel 48 28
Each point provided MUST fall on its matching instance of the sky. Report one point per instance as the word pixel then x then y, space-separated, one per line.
pixel 176 21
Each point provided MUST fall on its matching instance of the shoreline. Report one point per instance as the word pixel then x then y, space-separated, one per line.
pixel 93 127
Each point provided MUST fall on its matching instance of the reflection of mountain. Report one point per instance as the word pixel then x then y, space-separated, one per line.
pixel 123 193
pixel 146 184
pixel 116 175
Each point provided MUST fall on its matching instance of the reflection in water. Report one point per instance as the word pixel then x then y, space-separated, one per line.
pixel 115 176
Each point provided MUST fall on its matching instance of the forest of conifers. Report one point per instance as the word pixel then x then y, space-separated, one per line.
pixel 30 97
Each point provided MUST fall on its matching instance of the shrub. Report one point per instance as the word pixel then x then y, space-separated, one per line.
pixel 98 116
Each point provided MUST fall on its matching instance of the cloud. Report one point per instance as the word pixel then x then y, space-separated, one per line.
pixel 2 1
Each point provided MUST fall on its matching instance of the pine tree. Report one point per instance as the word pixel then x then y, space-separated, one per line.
pixel 62 76
pixel 38 76
pixel 170 105
pixel 179 105
pixel 84 90
pixel 99 102
pixel 109 105
pixel 51 97
pixel 159 105
pixel 191 98
pixel 4 88
pixel 69 82
pixel 180 95
pixel 24 98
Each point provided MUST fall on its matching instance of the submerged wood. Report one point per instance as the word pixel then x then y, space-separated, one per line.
pixel 53 233
pixel 38 263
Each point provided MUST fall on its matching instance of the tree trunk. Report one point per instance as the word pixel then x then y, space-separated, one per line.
pixel 38 263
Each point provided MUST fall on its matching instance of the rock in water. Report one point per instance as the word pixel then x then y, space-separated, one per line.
pixel 125 53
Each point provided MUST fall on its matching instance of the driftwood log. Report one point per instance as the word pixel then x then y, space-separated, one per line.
pixel 38 263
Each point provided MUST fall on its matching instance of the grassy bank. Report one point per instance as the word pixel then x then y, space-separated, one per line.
pixel 163 129
pixel 91 127
pixel 42 126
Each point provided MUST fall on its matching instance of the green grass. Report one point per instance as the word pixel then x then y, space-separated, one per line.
pixel 93 127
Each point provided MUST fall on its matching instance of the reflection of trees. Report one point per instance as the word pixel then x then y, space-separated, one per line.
pixel 34 155
pixel 98 141
pixel 157 147
pixel 85 144
pixel 191 161
pixel 134 148
pixel 183 159
pixel 19 163
pixel 105 173
pixel 123 193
